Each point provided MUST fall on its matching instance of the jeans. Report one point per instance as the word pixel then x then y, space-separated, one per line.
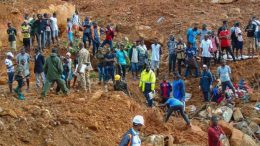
pixel 87 36
pixel 109 72
pixel 101 73
pixel 122 70
pixel 179 64
pixel 48 38
pixel 179 108
pixel 206 60
pixel 172 62
pixel 38 76
pixel 189 69
pixel 257 39
pixel 134 67
pixel 70 37
pixel 107 42
pixel 149 101
pixel 206 95
pixel 96 44
pixel 228 50
pixel 40 40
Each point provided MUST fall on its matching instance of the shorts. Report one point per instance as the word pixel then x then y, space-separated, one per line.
pixel 10 77
pixel 13 45
pixel 55 33
pixel 134 67
pixel 155 64
pixel 26 42
pixel 239 45
pixel 251 42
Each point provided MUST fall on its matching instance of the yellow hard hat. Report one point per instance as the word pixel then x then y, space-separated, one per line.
pixel 117 77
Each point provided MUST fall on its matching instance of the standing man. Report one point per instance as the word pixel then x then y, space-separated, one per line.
pixel 26 36
pixel 40 27
pixel 54 28
pixel 225 24
pixel 192 34
pixel 95 32
pixel 147 84
pixel 205 46
pixel 33 30
pixel 204 31
pixel 131 137
pixel 109 69
pixel 23 56
pixel 250 29
pixel 257 32
pixel 172 54
pixel 69 31
pixel 10 70
pixel 84 68
pixel 165 89
pixel 134 55
pixel 215 133
pixel 109 37
pixel 53 69
pixel 38 68
pixel 11 31
pixel 239 42
pixel 206 83
pixel 156 54
pixel 179 89
pixel 224 73
pixel 224 36
pixel 143 56
pixel 87 32
pixel 191 61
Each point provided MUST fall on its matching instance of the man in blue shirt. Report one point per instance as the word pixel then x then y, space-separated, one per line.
pixel 174 105
pixel 109 71
pixel 206 83
pixel 192 33
pixel 191 61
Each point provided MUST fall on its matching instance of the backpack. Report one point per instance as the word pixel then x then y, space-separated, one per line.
pixel 233 36
pixel 130 141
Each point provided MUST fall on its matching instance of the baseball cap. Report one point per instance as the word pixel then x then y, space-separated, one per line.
pixel 138 120
pixel 10 54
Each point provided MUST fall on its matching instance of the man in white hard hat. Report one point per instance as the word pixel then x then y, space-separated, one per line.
pixel 131 137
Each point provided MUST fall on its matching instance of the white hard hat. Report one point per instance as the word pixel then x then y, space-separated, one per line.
pixel 10 54
pixel 68 54
pixel 138 120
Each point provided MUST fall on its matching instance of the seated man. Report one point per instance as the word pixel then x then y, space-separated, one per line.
pixel 120 85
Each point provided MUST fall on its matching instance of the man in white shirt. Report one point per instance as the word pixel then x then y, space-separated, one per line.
pixel 10 69
pixel 54 27
pixel 239 42
pixel 134 56
pixel 257 32
pixel 156 54
pixel 143 56
pixel 205 46
pixel 22 56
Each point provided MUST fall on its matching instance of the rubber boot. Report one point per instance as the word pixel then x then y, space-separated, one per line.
pixel 16 90
pixel 20 96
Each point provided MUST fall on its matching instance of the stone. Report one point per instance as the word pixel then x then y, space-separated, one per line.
pixel 1 109
pixel 254 127
pixel 223 1
pixel 157 140
pixel 227 114
pixel 2 126
pixel 236 138
pixel 237 115
pixel 226 127
pixel 234 12
pixel 256 120
pixel 254 97
pixel 247 141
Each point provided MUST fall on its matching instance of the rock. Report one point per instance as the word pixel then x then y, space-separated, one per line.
pixel 9 112
pixel 46 114
pixel 254 97
pixel 1 109
pixel 236 138
pixel 124 28
pixel 237 115
pixel 256 120
pixel 234 12
pixel 2 126
pixel 247 141
pixel 227 128
pixel 93 126
pixel 254 127
pixel 227 113
pixel 223 1
pixel 157 140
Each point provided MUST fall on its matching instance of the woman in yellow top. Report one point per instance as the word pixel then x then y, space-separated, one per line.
pixel 26 36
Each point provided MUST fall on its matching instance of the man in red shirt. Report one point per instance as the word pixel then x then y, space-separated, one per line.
pixel 166 89
pixel 109 38
pixel 215 133
pixel 224 36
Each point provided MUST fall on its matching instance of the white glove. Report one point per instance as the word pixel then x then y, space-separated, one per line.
pixel 222 136
pixel 210 86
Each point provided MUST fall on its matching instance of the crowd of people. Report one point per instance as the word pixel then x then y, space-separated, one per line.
pixel 116 59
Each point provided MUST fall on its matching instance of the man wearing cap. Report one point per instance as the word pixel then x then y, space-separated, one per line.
pixel 38 68
pixel 174 104
pixel 206 83
pixel 147 84
pixel 11 31
pixel 224 72
pixel 131 137
pixel 121 85
pixel 215 133
pixel 53 69
pixel 10 69
pixel 84 68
